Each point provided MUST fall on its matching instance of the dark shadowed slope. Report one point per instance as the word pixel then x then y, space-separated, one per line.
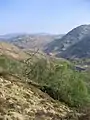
pixel 76 36
pixel 78 50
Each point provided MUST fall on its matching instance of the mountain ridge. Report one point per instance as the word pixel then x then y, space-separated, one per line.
pixel 72 38
pixel 29 41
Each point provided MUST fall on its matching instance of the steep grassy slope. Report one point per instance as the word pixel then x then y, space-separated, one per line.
pixel 60 80
pixel 10 65
pixel 21 101
pixel 12 51
pixel 56 77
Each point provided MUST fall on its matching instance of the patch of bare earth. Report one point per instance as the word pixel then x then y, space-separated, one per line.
pixel 20 101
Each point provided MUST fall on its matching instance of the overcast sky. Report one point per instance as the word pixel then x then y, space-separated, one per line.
pixel 42 16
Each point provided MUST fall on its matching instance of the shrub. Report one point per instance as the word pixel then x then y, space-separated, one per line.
pixel 60 81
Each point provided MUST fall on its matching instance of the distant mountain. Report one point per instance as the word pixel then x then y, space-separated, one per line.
pixel 75 43
pixel 10 36
pixel 29 41
pixel 78 50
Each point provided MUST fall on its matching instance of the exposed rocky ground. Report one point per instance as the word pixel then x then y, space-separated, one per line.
pixel 20 101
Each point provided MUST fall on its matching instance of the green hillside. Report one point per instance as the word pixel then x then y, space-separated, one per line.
pixel 56 77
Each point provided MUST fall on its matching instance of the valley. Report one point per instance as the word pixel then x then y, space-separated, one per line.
pixel 45 77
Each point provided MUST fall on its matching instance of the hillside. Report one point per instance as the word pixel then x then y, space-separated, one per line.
pixel 42 88
pixel 78 50
pixel 29 41
pixel 22 98
pixel 21 101
pixel 74 44
pixel 12 51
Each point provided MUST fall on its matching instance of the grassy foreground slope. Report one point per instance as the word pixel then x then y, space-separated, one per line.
pixel 60 80
pixel 24 100
pixel 12 51
pixel 20 101
pixel 55 77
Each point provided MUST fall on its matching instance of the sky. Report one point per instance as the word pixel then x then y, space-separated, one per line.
pixel 43 16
